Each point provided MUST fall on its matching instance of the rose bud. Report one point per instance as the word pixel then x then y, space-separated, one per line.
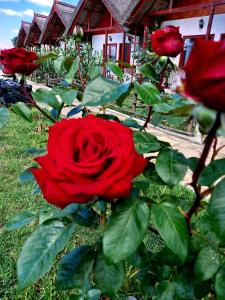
pixel 205 74
pixel 167 41
pixel 78 32
pixel 88 157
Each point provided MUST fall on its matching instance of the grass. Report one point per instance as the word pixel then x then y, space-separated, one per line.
pixel 15 138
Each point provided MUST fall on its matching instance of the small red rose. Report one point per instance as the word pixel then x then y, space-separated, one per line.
pixel 167 41
pixel 18 60
pixel 88 157
pixel 205 74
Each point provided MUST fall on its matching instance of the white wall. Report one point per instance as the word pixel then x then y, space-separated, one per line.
pixel 191 26
pixel 117 38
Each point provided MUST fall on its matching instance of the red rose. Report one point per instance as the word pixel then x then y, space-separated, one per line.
pixel 18 60
pixel 88 157
pixel 167 41
pixel 205 74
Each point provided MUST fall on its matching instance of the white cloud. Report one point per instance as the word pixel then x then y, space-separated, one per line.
pixel 42 2
pixel 22 13
pixel 45 13
pixel 5 45
pixel 16 31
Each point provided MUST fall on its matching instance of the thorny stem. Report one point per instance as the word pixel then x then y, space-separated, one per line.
pixel 83 83
pixel 200 166
pixel 32 102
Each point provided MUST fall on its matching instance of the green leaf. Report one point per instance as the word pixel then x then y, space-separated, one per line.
pixel 93 294
pixel 94 72
pixel 35 151
pixel 75 268
pixel 131 123
pixel 148 71
pixel 108 277
pixel 217 210
pixel 172 227
pixel 4 116
pixel 58 64
pixel 21 109
pixel 68 95
pixel 192 163
pixel 145 142
pixel 207 264
pixel 47 97
pixel 46 57
pixel 39 251
pixel 148 92
pixel 26 176
pixel 165 291
pixel 171 166
pixel 220 284
pixel 73 70
pixel 125 230
pixel 184 289
pixel 86 217
pixel 212 172
pixel 102 91
pixel 20 220
pixel 115 69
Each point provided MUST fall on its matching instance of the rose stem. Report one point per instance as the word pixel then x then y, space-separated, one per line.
pixel 200 166
pixel 32 101
pixel 148 119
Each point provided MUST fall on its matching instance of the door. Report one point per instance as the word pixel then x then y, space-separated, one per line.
pixel 127 51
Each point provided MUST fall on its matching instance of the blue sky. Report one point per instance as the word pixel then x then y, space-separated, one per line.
pixel 13 11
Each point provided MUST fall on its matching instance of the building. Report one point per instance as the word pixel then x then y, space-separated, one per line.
pixel 24 29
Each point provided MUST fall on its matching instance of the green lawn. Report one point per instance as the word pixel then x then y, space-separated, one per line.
pixel 15 138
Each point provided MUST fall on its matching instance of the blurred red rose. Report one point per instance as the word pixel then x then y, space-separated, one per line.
pixel 167 41
pixel 88 157
pixel 205 74
pixel 18 60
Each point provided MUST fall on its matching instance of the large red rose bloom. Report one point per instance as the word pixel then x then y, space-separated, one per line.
pixel 205 74
pixel 167 41
pixel 18 60
pixel 88 157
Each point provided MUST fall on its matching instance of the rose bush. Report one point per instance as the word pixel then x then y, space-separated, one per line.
pixel 167 41
pixel 18 60
pixel 205 74
pixel 88 157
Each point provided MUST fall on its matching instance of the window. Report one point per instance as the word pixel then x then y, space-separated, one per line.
pixel 111 51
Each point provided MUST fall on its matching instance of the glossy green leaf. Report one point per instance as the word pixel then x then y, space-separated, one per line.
pixel 220 284
pixel 125 230
pixel 217 210
pixel 47 97
pixel 21 109
pixel 75 268
pixel 172 227
pixel 102 91
pixel 94 72
pixel 4 116
pixel 58 65
pixel 171 166
pixel 20 220
pixel 93 294
pixel 43 58
pixel 148 92
pixel 74 111
pixel 108 277
pixel 206 264
pixel 39 251
pixel 131 123
pixel 148 71
pixel 86 217
pixel 73 70
pixel 165 291
pixel 192 163
pixel 183 287
pixel 115 69
pixel 212 172
pixel 68 95
pixel 145 142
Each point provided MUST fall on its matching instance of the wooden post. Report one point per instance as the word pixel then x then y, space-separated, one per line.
pixel 123 48
pixel 171 4
pixel 209 27
pixel 105 52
